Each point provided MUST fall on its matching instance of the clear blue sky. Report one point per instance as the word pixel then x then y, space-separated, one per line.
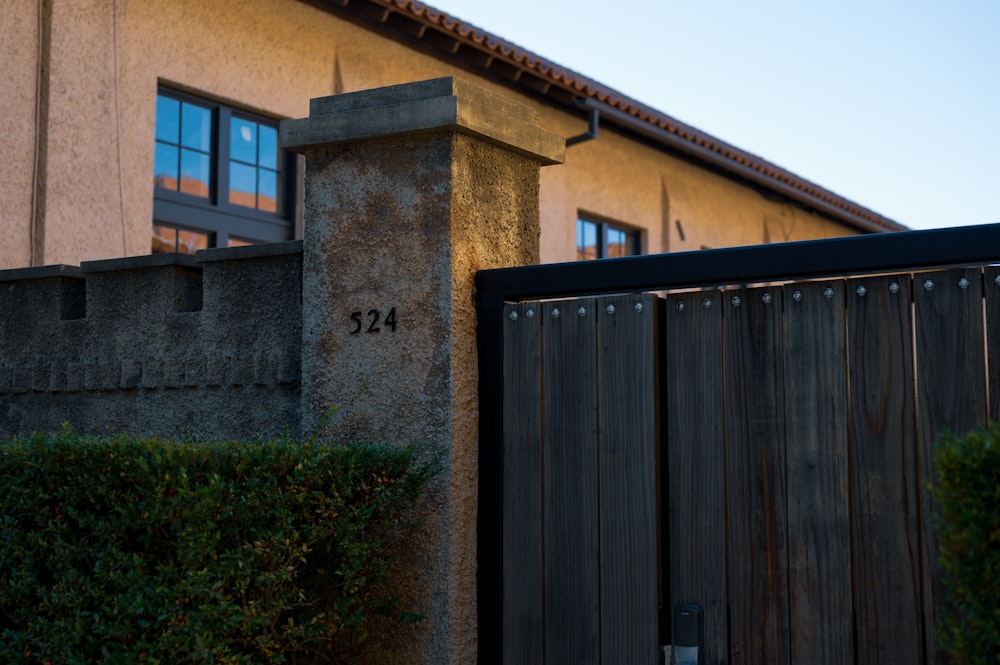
pixel 894 104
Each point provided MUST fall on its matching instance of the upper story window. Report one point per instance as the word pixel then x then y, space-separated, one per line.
pixel 220 179
pixel 600 240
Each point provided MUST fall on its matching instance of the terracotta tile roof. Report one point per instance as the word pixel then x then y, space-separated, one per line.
pixel 490 55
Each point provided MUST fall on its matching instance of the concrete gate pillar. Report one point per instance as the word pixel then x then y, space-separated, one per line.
pixel 409 190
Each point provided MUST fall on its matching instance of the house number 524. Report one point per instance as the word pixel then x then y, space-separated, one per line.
pixel 372 322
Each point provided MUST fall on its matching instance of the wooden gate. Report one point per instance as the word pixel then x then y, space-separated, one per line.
pixel 801 420
pixel 580 473
pixel 764 452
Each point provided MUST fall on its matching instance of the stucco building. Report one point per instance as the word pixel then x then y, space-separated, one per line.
pixel 134 126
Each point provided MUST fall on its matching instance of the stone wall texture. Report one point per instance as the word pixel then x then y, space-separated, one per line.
pixel 159 344
pixel 409 191
pixel 403 204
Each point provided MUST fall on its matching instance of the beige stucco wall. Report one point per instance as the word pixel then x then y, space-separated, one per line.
pixel 83 209
pixel 19 55
pixel 620 180
pixel 271 56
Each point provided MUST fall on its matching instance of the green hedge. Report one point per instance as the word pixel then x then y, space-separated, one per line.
pixel 968 527
pixel 127 550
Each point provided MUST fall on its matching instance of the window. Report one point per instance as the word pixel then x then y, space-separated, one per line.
pixel 172 239
pixel 220 179
pixel 599 240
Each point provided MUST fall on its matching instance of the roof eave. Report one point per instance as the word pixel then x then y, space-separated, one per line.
pixel 747 170
pixel 478 51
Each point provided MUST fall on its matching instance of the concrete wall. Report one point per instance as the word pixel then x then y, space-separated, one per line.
pixel 409 191
pixel 101 63
pixel 156 344
pixel 403 205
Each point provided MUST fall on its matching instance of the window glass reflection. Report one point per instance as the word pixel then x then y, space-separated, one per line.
pixel 586 240
pixel 189 242
pixel 197 187
pixel 243 141
pixel 186 169
pixel 267 190
pixel 617 243
pixel 168 239
pixel 268 155
pixel 195 172
pixel 164 239
pixel 196 127
pixel 165 166
pixel 168 121
pixel 598 240
pixel 242 185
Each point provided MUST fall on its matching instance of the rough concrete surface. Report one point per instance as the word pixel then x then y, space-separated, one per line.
pixel 373 313
pixel 159 344
pixel 401 224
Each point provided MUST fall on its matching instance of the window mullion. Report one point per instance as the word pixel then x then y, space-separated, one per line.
pixel 223 120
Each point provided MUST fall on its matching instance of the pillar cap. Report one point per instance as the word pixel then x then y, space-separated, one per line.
pixel 425 106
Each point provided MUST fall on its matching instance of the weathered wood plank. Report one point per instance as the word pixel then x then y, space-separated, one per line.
pixel 628 473
pixel 991 291
pixel 522 486
pixel 694 480
pixel 819 535
pixel 755 478
pixel 951 394
pixel 884 483
pixel 570 489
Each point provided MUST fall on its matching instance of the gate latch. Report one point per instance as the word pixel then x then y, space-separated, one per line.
pixel 686 631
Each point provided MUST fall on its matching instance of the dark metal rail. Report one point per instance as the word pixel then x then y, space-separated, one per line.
pixel 883 252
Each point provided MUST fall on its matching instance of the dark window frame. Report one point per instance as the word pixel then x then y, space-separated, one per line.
pixel 603 226
pixel 215 215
